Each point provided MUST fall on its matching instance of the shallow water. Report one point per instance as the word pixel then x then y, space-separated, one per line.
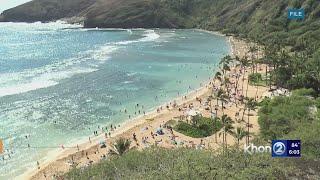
pixel 59 82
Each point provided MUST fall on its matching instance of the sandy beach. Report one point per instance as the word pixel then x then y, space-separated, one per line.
pixel 88 151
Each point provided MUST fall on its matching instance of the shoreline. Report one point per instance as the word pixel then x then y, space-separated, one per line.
pixel 62 155
pixel 124 127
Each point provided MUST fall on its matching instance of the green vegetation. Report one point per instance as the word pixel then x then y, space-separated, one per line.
pixel 304 92
pixel 200 127
pixel 185 164
pixel 291 46
pixel 294 117
pixel 256 79
pixel 120 147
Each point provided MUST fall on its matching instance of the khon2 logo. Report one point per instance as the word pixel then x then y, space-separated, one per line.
pixel 286 148
pixel 279 148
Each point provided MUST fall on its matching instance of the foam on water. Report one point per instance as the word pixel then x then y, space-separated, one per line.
pixel 150 35
pixel 132 74
pixel 50 75
pixel 38 27
pixel 44 80
pixel 103 52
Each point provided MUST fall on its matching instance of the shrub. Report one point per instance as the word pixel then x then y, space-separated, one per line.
pixel 292 118
pixel 256 79
pixel 304 92
pixel 202 128
pixel 185 164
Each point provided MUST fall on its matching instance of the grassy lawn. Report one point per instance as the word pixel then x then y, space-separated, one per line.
pixel 202 127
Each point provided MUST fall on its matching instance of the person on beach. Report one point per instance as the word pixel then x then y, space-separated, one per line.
pixel 134 137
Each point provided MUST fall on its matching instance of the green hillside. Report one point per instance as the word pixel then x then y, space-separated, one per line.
pixel 185 164
pixel 157 163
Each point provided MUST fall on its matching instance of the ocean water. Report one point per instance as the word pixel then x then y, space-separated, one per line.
pixel 59 82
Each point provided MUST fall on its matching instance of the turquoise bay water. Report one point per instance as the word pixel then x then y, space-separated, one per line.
pixel 59 82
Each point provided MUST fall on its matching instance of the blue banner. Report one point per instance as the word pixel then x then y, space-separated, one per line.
pixel 296 14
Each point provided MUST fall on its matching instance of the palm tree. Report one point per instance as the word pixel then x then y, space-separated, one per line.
pixel 252 51
pixel 238 63
pixel 120 147
pixel 250 105
pixel 216 119
pixel 218 76
pixel 210 99
pixel 226 60
pixel 222 97
pixel 195 120
pixel 239 134
pixel 248 81
pixel 267 60
pixel 227 127
pixel 224 67
pixel 243 63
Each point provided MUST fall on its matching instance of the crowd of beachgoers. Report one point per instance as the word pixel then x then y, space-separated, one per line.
pixel 152 129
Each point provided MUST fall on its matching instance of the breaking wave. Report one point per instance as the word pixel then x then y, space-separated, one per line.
pixel 50 75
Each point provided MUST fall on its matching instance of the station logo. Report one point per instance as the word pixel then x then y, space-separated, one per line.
pixel 286 148
pixel 279 148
